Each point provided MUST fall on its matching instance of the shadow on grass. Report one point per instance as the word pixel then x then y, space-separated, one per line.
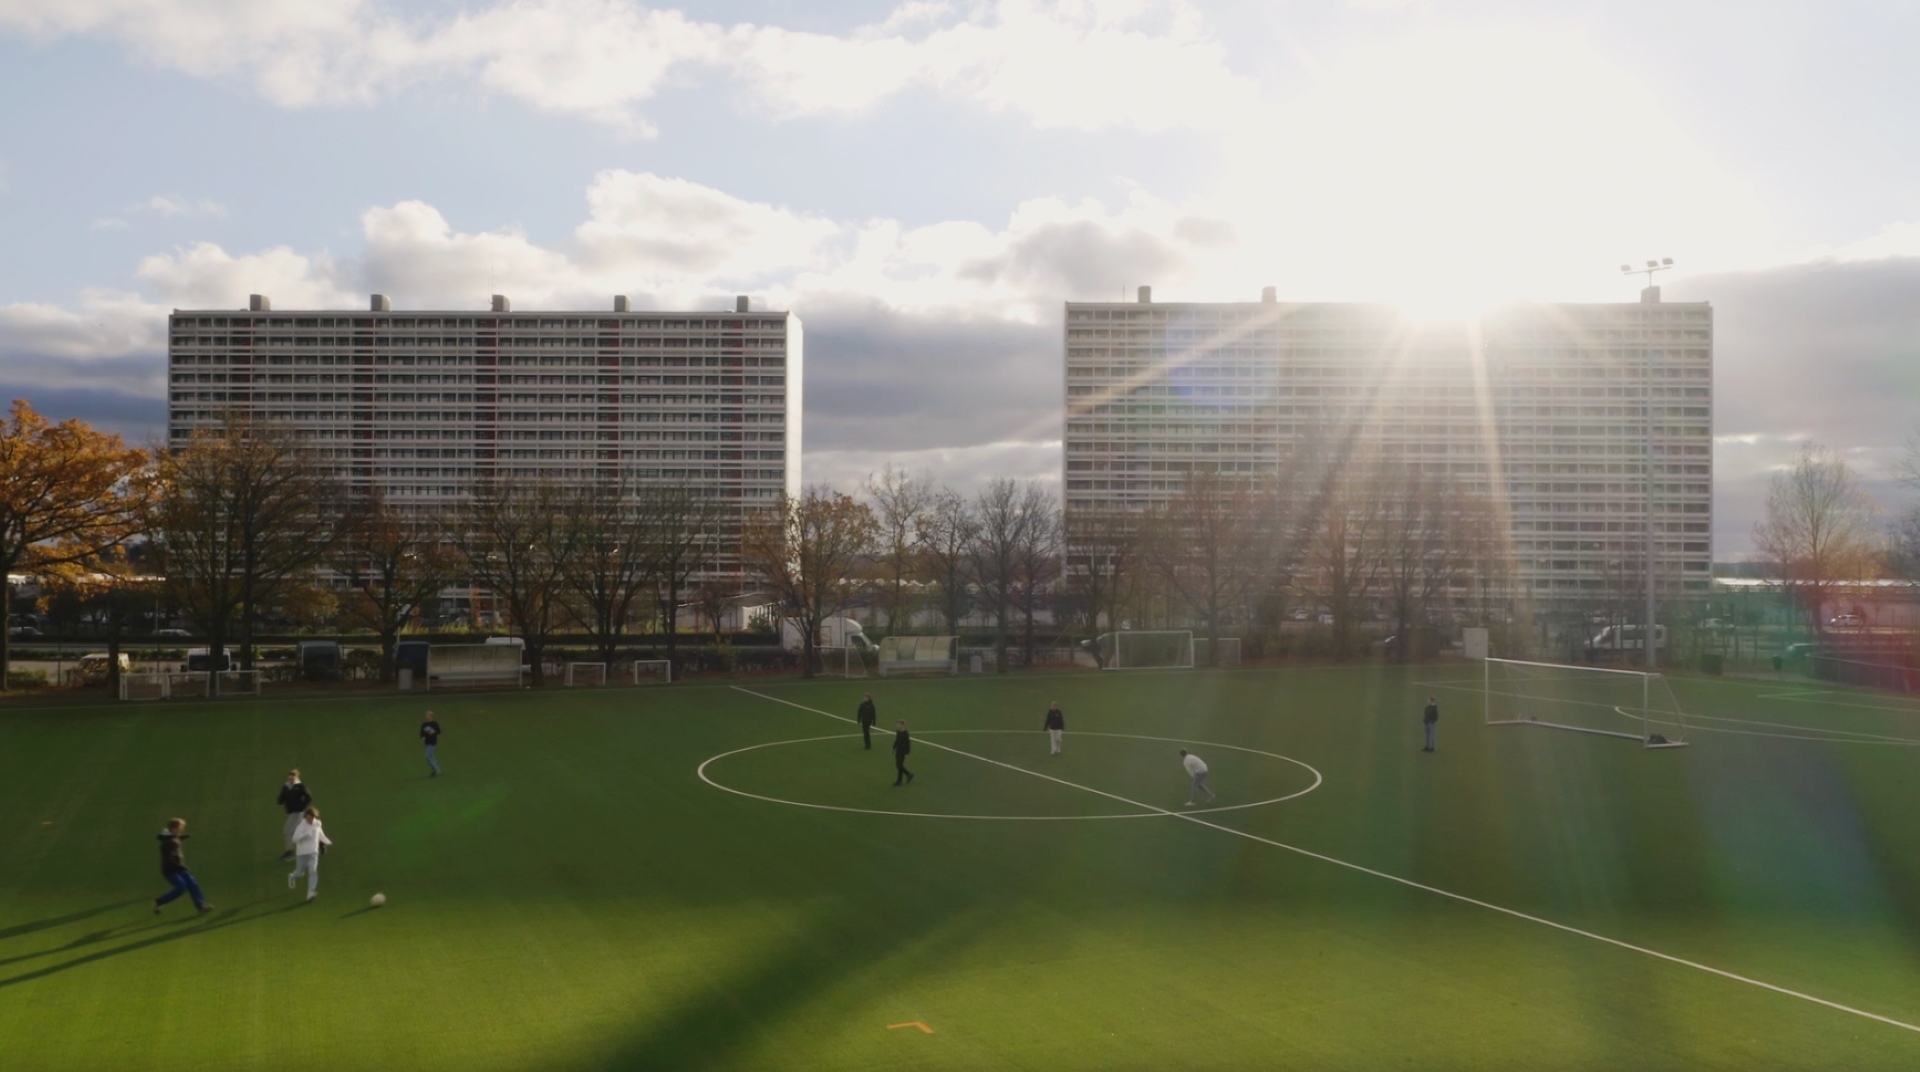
pixel 361 911
pixel 220 920
pixel 60 921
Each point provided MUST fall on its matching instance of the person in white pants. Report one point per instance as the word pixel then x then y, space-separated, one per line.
pixel 1197 768
pixel 309 841
pixel 1056 726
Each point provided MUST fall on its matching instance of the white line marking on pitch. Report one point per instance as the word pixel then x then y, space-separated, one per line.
pixel 1449 894
pixel 1692 721
pixel 1144 814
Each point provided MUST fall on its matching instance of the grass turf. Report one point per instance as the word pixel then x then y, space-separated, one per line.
pixel 571 895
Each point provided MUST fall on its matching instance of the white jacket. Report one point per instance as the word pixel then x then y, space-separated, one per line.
pixel 1194 764
pixel 308 837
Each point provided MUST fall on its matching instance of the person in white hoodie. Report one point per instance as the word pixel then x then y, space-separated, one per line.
pixel 1197 769
pixel 309 841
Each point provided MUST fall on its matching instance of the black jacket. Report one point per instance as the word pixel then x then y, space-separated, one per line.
pixel 902 743
pixel 295 798
pixel 173 856
pixel 1056 719
pixel 1432 713
pixel 866 712
pixel 430 731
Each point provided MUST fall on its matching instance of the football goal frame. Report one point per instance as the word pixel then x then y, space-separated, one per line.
pixel 159 684
pixel 585 674
pixel 839 661
pixel 1654 697
pixel 653 671
pixel 236 682
pixel 1131 649
pixel 904 655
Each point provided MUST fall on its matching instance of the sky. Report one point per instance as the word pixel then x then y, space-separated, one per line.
pixel 926 183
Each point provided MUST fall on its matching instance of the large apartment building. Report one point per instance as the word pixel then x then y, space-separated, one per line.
pixel 422 406
pixel 1553 410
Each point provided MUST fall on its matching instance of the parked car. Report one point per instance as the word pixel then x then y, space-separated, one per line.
pixel 1802 649
pixel 25 632
pixel 318 660
pixel 201 661
pixel 1711 624
pixel 1846 621
pixel 176 634
pixel 93 667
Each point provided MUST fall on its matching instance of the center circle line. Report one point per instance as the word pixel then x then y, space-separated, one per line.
pixel 701 771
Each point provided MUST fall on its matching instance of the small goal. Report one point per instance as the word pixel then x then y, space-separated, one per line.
pixel 1630 704
pixel 237 683
pixel 901 655
pixel 652 672
pixel 1158 649
pixel 1229 651
pixel 158 685
pixel 839 662
pixel 586 674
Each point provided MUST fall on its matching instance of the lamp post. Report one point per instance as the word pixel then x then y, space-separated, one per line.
pixel 1648 297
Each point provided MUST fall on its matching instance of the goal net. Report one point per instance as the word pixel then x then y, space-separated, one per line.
pixel 1149 649
pixel 839 662
pixel 652 672
pixel 1631 704
pixel 1229 652
pixel 236 683
pixel 149 686
pixel 586 674
pixel 919 655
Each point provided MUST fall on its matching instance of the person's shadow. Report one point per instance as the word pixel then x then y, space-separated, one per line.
pixel 185 928
pixel 19 929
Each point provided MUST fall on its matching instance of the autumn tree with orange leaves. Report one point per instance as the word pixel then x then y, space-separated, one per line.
pixel 806 551
pixel 67 493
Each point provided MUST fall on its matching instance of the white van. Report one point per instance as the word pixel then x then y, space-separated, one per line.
pixel 1628 638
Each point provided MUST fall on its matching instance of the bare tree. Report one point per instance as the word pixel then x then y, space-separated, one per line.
pixel 1903 546
pixel 996 553
pixel 615 542
pixel 1102 549
pixel 1428 537
pixel 1207 547
pixel 1818 528
pixel 900 505
pixel 687 532
pixel 806 549
pixel 515 539
pixel 946 548
pixel 247 516
pixel 394 564
pixel 1343 561
pixel 1036 558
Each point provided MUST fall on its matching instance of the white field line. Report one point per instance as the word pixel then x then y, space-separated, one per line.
pixel 1690 720
pixel 1449 894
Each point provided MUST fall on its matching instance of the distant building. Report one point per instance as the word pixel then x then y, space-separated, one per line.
pixel 1545 407
pixel 425 405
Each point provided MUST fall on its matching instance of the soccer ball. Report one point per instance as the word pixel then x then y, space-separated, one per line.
pixel 378 899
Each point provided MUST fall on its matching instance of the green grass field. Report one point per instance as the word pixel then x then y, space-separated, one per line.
pixel 573 894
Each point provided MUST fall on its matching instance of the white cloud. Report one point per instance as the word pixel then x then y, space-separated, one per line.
pixel 967 470
pixel 171 205
pixel 204 276
pixel 1148 64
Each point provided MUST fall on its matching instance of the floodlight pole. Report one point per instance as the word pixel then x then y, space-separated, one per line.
pixel 1648 297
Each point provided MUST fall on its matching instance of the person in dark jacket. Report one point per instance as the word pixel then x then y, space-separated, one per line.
pixel 867 718
pixel 430 734
pixel 1427 719
pixel 902 744
pixel 294 797
pixel 1056 726
pixel 173 867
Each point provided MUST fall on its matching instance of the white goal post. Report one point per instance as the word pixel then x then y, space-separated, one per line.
pixel 839 662
pixel 1229 652
pixel 1151 649
pixel 237 683
pixel 586 674
pixel 919 655
pixel 652 671
pixel 1630 704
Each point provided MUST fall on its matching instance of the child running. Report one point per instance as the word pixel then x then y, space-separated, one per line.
pixel 173 867
pixel 309 841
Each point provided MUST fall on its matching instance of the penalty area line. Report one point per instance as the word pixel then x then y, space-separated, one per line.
pixel 1462 898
